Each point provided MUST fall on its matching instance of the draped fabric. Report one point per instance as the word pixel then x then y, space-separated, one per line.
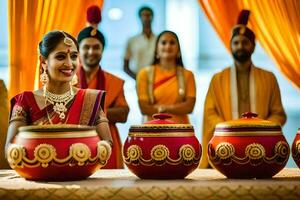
pixel 29 20
pixel 275 23
pixel 114 98
pixel 223 16
pixel 165 88
pixel 277 27
pixel 83 110
pixel 97 82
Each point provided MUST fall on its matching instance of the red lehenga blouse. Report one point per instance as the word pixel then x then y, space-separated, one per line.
pixel 86 108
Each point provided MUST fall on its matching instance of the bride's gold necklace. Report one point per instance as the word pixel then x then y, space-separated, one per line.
pixel 59 101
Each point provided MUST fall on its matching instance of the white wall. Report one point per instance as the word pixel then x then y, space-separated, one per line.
pixel 3 41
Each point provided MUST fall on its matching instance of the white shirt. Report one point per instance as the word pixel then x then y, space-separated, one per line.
pixel 140 51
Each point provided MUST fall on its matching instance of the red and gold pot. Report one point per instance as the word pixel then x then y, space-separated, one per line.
pixel 161 149
pixel 248 148
pixel 296 148
pixel 57 152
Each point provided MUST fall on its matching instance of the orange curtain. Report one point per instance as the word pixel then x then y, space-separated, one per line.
pixel 275 23
pixel 29 20
pixel 222 15
pixel 277 27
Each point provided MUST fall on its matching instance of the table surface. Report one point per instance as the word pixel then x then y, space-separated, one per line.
pixel 122 184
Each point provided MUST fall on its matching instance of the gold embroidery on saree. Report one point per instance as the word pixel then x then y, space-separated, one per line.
pixel 18 114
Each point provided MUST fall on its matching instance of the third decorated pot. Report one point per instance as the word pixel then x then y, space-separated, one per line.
pixel 248 148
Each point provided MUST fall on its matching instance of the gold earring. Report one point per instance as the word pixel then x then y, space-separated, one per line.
pixel 74 80
pixel 44 79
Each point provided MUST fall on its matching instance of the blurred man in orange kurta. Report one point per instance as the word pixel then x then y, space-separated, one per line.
pixel 91 45
pixel 240 88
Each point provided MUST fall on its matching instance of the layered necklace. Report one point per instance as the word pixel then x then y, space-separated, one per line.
pixel 59 101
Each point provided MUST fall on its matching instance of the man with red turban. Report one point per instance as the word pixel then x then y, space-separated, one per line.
pixel 93 16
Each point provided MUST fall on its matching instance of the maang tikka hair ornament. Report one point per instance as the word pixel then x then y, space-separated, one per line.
pixel 68 41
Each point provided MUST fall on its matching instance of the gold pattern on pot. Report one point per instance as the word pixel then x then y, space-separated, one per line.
pixel 80 152
pixel 15 154
pixel 134 153
pixel 225 150
pixel 296 154
pixel 187 152
pixel 161 134
pixel 255 151
pixel 160 155
pixel 45 155
pixel 255 154
pixel 282 149
pixel 103 151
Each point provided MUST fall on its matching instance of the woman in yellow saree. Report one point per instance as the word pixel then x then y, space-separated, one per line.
pixel 166 86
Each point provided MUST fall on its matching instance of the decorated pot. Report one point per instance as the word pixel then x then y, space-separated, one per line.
pixel 296 148
pixel 161 149
pixel 57 152
pixel 248 148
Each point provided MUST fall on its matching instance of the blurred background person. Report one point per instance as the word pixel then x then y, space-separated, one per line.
pixel 140 48
pixel 241 88
pixel 91 44
pixel 166 86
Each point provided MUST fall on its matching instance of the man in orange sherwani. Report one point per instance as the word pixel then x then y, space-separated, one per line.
pixel 3 123
pixel 91 43
pixel 240 88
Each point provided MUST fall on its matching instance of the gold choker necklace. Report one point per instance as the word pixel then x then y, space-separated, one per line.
pixel 59 101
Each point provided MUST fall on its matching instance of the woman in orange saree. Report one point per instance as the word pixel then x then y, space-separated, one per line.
pixel 58 102
pixel 167 86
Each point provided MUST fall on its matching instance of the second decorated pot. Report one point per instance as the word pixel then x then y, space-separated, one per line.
pixel 161 149
pixel 248 148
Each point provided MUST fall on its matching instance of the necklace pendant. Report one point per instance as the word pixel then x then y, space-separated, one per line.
pixel 59 102
pixel 60 107
pixel 62 115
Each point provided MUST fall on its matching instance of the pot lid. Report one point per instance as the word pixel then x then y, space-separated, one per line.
pixel 161 118
pixel 55 128
pixel 248 123
pixel 161 123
